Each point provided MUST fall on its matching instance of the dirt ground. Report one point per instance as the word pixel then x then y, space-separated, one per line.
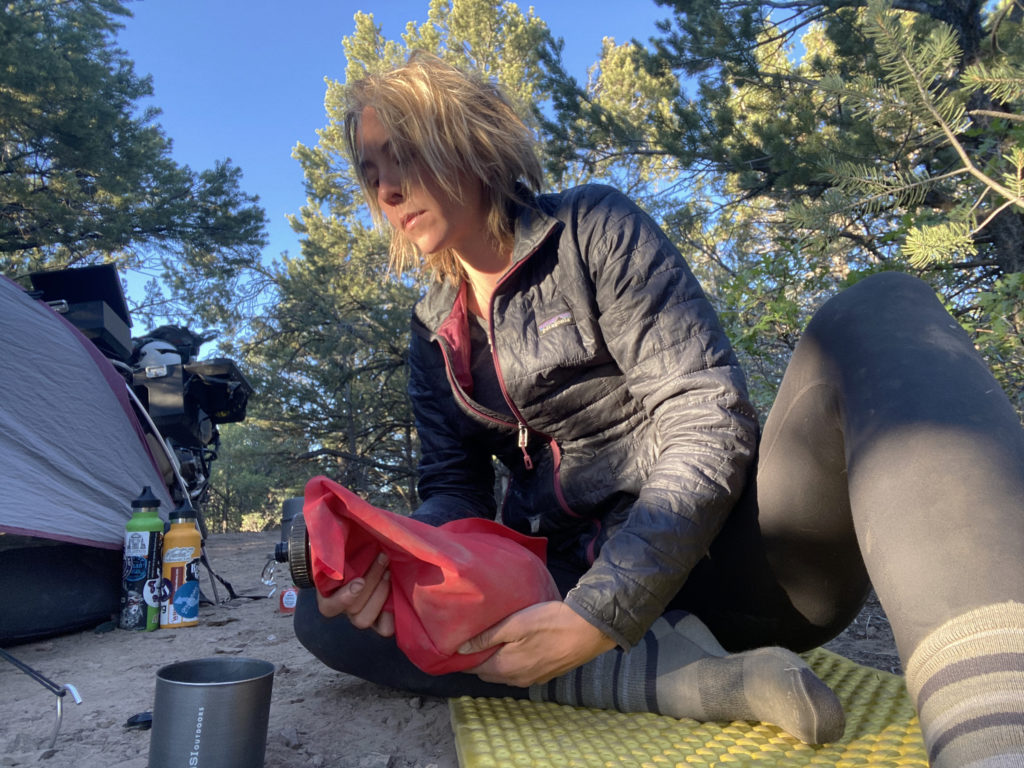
pixel 318 717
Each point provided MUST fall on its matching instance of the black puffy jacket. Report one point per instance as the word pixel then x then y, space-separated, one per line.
pixel 633 432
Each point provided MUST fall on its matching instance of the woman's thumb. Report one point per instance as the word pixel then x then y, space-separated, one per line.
pixel 481 642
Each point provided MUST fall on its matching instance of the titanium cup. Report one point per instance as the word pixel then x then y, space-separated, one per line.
pixel 211 713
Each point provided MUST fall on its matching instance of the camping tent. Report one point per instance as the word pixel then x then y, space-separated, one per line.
pixel 74 455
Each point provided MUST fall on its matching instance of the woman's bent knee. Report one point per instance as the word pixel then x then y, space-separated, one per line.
pixel 886 299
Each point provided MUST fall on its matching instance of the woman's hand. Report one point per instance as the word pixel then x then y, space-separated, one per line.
pixel 362 599
pixel 537 643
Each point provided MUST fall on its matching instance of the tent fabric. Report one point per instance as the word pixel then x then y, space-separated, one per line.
pixel 73 452
pixel 448 584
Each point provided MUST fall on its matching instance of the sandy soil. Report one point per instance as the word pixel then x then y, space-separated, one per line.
pixel 318 717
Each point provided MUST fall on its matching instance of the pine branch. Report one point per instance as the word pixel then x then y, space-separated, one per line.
pixel 904 68
pixel 997 115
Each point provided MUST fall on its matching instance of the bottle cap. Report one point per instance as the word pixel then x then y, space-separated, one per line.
pixel 183 511
pixel 146 499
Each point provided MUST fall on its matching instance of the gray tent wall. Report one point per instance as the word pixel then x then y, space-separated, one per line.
pixel 73 456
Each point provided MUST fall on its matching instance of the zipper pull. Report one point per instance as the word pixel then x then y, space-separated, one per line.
pixel 524 438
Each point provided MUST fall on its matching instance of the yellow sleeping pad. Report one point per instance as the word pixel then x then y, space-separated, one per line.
pixel 881 730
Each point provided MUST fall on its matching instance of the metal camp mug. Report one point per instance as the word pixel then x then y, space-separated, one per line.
pixel 211 713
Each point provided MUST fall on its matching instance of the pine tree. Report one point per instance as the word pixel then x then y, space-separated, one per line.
pixel 86 174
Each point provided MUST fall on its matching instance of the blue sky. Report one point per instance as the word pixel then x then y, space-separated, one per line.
pixel 244 79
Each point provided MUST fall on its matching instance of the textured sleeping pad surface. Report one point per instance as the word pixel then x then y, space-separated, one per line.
pixel 881 731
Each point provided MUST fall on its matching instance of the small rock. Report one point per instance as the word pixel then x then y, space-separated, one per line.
pixel 375 760
pixel 416 702
pixel 290 737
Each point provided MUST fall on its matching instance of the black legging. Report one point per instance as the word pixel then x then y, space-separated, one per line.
pixel 890 457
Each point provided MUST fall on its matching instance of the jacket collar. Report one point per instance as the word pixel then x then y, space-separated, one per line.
pixel 532 227
pixel 442 310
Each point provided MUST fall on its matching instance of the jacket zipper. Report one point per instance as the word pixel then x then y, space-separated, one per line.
pixel 523 429
pixel 461 393
pixel 524 441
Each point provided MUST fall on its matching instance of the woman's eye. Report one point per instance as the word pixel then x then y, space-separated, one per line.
pixel 407 160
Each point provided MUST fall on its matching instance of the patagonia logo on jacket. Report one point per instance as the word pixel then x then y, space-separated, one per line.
pixel 565 318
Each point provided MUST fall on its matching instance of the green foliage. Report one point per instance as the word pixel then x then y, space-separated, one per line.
pixel 612 135
pixel 1002 80
pixel 889 142
pixel 920 72
pixel 999 328
pixel 86 174
pixel 251 478
pixel 945 241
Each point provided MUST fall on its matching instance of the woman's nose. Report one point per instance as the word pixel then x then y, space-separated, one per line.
pixel 389 186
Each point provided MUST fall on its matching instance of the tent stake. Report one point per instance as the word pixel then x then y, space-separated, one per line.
pixel 57 690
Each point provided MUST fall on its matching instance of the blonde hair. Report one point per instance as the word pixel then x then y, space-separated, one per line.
pixel 449 124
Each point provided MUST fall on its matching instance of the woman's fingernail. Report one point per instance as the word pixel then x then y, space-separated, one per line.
pixel 382 559
pixel 465 648
pixel 356 587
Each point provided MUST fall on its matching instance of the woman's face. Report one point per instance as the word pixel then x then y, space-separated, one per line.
pixel 413 202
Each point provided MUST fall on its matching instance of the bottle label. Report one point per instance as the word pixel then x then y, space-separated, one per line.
pixel 180 607
pixel 179 555
pixel 288 600
pixel 140 609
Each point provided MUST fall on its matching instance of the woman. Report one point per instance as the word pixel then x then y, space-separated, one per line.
pixel 566 336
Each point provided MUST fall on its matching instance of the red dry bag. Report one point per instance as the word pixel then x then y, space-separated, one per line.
pixel 448 583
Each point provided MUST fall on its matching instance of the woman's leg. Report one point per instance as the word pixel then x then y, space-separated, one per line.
pixel 886 397
pixel 913 424
pixel 678 669
pixel 367 655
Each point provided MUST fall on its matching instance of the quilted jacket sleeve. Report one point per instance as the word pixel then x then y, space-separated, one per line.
pixel 456 476
pixel 678 363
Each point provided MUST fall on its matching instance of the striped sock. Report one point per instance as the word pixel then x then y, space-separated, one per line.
pixel 679 669
pixel 967 680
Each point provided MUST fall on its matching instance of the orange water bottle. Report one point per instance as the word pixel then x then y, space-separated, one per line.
pixel 183 549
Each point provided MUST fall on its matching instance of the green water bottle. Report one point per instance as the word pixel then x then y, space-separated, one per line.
pixel 140 577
